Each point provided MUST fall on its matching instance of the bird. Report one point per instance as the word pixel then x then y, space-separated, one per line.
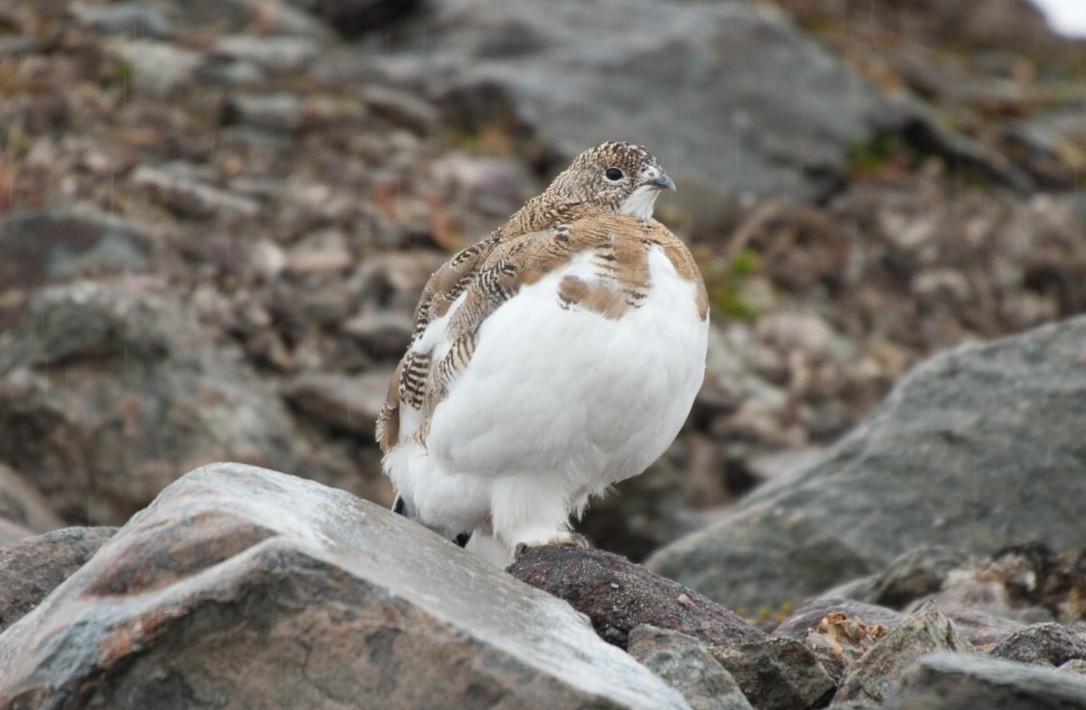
pixel 555 357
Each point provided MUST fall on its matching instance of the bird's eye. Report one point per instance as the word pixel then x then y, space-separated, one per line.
pixel 613 174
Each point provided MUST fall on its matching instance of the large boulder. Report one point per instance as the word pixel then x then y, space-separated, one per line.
pixel 620 597
pixel 728 94
pixel 976 448
pixel 243 587
pixel 111 391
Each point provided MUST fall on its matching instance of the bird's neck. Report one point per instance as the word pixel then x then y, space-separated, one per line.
pixel 541 213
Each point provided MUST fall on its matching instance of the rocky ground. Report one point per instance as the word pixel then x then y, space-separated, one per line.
pixel 215 220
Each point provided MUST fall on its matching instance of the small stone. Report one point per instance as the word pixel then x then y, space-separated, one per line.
pixel 134 20
pixel 274 55
pixel 57 244
pixel 11 531
pixel 1048 644
pixel 321 251
pixel 189 197
pixel 278 112
pixel 688 666
pixel 401 108
pixel 158 69
pixel 921 571
pixel 925 631
pixel 344 403
pixel 33 567
pixel 381 333
pixel 778 674
pixel 22 504
pixel 268 259
pixel 491 185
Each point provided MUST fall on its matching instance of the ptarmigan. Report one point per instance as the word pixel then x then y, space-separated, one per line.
pixel 550 360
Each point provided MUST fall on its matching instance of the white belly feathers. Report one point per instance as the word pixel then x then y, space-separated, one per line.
pixel 564 391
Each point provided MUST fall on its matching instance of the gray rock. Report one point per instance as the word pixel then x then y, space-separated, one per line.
pixel 190 197
pixel 108 392
pixel 619 596
pixel 158 69
pixel 55 244
pixel 917 573
pixel 276 56
pixel 778 674
pixel 953 681
pixel 576 72
pixel 1052 146
pixel 278 112
pixel 244 587
pixel 11 531
pixel 494 186
pixel 134 20
pixel 344 403
pixel 1049 644
pixel 33 567
pixel 384 334
pixel 981 629
pixel 970 425
pixel 401 108
pixel 21 503
pixel 976 627
pixel 688 666
pixel 925 631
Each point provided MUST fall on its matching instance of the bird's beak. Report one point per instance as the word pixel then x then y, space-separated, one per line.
pixel 661 182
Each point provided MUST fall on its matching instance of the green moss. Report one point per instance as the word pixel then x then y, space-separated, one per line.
pixel 866 157
pixel 746 262
pixel 725 282
pixel 122 72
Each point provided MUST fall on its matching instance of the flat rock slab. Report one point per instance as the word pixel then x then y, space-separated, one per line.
pixel 975 448
pixel 952 681
pixel 243 587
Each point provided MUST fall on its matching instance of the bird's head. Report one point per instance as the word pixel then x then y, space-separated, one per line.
pixel 618 177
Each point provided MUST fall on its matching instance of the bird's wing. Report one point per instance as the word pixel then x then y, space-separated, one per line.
pixel 475 283
pixel 408 385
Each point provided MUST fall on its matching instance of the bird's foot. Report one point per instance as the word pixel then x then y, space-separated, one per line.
pixel 566 539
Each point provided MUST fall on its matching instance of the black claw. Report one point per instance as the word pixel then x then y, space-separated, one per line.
pixel 399 507
pixel 462 539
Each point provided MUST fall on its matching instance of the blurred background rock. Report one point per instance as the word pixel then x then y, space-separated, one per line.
pixel 216 217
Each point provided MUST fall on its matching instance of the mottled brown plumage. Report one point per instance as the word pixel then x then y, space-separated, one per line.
pixel 592 227
pixel 581 192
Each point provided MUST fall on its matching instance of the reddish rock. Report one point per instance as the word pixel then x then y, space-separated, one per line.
pixel 244 587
